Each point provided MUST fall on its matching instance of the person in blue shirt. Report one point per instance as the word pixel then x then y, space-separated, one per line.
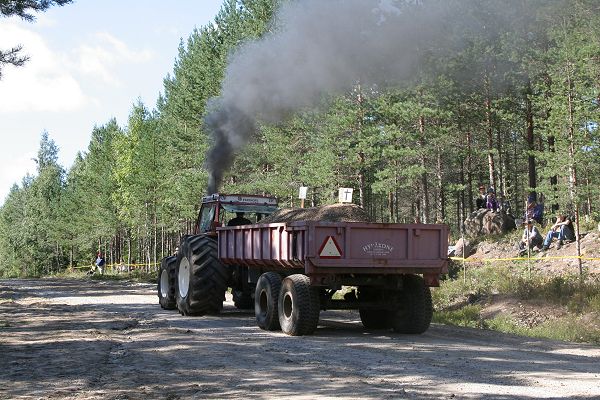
pixel 100 263
pixel 534 210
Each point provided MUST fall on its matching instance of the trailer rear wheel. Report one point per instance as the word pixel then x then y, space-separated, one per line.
pixel 298 306
pixel 415 308
pixel 373 318
pixel 167 283
pixel 266 298
pixel 202 279
pixel 242 299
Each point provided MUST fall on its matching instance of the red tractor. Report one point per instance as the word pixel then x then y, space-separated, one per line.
pixel 193 280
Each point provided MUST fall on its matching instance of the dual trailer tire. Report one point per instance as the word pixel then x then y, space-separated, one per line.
pixel 167 283
pixel 373 318
pixel 242 299
pixel 266 300
pixel 415 309
pixel 412 311
pixel 202 279
pixel 290 304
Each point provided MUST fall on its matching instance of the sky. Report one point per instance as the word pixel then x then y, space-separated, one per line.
pixel 90 61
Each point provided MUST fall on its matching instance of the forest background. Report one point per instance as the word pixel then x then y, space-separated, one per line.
pixel 515 108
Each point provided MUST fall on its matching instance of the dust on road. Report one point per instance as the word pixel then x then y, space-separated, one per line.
pixel 84 339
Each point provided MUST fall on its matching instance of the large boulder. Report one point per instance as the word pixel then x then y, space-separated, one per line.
pixel 486 222
pixel 463 248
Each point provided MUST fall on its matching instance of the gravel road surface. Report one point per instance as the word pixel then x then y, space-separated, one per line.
pixel 84 339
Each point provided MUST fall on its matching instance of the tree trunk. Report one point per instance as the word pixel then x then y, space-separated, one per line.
pixel 361 154
pixel 490 133
pixel 553 178
pixel 424 186
pixel 588 195
pixel 361 179
pixel 128 246
pixel 469 173
pixel 440 209
pixel 572 165
pixel 155 239
pixel 461 200
pixel 391 205
pixel 501 178
pixel 531 164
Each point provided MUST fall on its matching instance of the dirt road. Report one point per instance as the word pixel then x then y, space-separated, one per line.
pixel 82 339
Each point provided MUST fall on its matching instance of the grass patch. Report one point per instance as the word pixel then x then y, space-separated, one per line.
pixel 459 301
pixel 466 316
pixel 571 328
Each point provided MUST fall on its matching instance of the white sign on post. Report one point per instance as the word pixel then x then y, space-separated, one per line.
pixel 303 191
pixel 345 195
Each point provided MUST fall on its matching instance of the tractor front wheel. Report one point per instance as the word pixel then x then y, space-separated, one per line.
pixel 202 279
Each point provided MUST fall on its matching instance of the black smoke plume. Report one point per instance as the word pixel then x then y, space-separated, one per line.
pixel 323 46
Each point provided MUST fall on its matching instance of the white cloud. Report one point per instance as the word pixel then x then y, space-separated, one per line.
pixel 103 54
pixel 169 30
pixel 43 20
pixel 42 84
pixel 12 171
pixel 55 81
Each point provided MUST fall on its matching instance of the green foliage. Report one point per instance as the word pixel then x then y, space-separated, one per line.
pixel 415 150
pixel 466 316
pixel 460 302
pixel 571 329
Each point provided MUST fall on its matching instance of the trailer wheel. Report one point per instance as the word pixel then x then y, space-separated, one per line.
pixel 373 318
pixel 266 299
pixel 414 311
pixel 242 300
pixel 298 306
pixel 202 279
pixel 167 283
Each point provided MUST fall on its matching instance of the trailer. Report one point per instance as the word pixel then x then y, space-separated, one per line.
pixel 290 271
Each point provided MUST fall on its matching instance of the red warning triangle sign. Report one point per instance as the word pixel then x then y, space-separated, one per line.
pixel 330 248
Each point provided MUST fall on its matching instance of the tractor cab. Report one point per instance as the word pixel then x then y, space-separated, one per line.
pixel 234 209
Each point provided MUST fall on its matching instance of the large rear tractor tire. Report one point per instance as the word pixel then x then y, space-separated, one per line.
pixel 415 309
pixel 202 279
pixel 167 283
pixel 266 298
pixel 298 306
pixel 373 318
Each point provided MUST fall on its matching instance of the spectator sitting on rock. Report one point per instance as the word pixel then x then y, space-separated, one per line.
pixel 562 229
pixel 531 236
pixel 480 202
pixel 535 210
pixel 491 202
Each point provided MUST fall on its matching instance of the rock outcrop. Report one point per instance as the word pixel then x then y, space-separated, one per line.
pixel 486 222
